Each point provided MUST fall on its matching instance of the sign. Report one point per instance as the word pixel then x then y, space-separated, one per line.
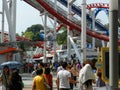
pixel 105 61
pixel 98 65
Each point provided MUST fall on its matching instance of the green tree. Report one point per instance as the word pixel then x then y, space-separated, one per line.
pixel 29 35
pixel 62 36
pixel 17 34
pixel 33 32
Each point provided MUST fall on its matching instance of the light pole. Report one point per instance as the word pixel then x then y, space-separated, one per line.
pixel 113 62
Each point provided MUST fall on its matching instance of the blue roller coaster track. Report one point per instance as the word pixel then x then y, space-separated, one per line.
pixel 77 10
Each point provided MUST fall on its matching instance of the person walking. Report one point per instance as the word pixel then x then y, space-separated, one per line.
pixel 38 81
pixel 16 82
pixel 86 77
pixel 41 65
pixel 33 74
pixel 75 72
pixel 99 81
pixel 63 78
pixel 5 77
pixel 48 77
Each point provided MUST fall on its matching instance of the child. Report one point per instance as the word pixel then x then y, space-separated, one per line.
pixel 100 82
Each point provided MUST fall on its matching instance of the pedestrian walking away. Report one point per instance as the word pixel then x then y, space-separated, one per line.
pixel 38 81
pixel 86 77
pixel 63 78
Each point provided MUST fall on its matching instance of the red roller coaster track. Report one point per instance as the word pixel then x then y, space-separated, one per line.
pixel 71 24
pixel 97 5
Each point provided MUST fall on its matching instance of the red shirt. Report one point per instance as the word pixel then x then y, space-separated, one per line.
pixel 49 78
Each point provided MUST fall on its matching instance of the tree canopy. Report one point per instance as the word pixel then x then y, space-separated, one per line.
pixel 33 32
pixel 62 36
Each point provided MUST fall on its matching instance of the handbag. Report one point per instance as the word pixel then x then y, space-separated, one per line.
pixel 47 86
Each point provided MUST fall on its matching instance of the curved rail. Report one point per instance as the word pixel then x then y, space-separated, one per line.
pixel 68 22
pixel 98 5
pixel 77 11
pixel 71 24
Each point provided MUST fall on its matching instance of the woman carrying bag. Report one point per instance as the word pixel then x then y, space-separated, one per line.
pixel 48 77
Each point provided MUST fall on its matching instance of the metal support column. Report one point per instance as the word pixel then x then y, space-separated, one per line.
pixel 70 2
pixel 77 51
pixel 12 7
pixel 119 12
pixel 83 32
pixel 2 33
pixel 68 33
pixel 8 11
pixel 54 41
pixel 113 62
pixel 45 27
pixel 93 28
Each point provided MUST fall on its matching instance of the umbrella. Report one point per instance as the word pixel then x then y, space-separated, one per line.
pixel 11 64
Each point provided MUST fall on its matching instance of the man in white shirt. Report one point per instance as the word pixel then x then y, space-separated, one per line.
pixel 63 78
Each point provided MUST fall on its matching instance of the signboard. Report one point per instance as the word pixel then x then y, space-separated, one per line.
pixel 98 65
pixel 105 61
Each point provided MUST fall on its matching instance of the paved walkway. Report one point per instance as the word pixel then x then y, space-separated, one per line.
pixel 27 88
pixel 27 79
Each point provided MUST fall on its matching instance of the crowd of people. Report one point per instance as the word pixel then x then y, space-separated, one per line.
pixel 68 76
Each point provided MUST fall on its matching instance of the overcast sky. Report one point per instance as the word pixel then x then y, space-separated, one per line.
pixel 27 15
